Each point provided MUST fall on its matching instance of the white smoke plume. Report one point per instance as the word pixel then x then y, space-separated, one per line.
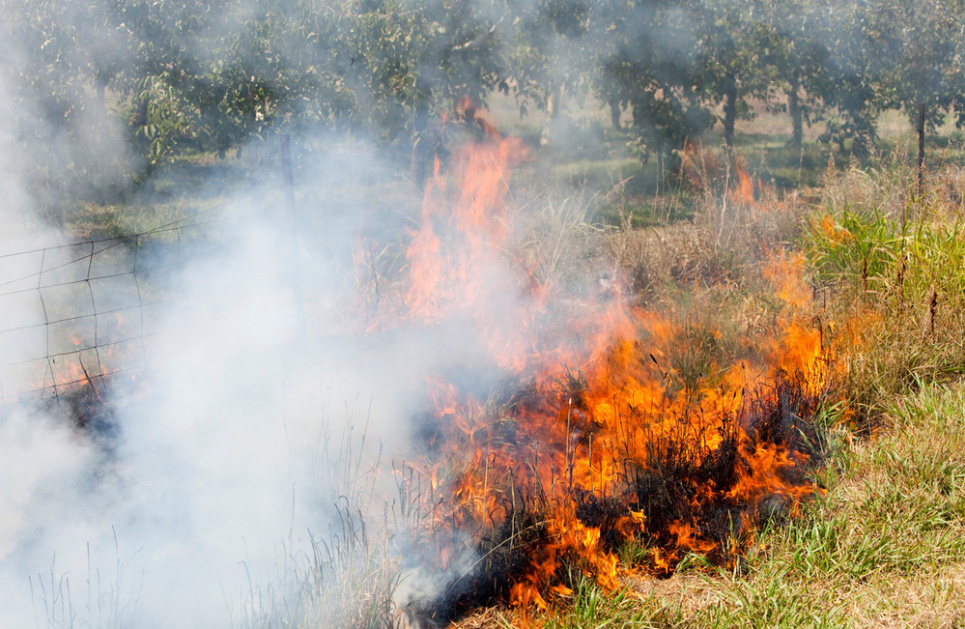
pixel 200 485
pixel 206 478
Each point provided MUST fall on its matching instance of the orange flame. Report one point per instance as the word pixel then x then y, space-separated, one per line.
pixel 598 411
pixel 744 191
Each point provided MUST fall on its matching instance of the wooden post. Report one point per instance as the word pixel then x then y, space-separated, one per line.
pixel 287 172
pixel 288 180
pixel 921 148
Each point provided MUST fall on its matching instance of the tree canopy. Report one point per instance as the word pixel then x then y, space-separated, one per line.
pixel 210 75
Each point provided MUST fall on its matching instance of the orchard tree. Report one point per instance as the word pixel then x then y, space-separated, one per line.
pixel 550 53
pixel 415 58
pixel 651 66
pixel 862 48
pixel 928 65
pixel 798 56
pixel 57 61
pixel 673 63
pixel 412 60
pixel 735 62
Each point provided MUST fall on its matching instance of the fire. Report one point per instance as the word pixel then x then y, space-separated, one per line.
pixel 745 185
pixel 608 436
pixel 449 249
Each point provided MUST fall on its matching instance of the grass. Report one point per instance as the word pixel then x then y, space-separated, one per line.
pixel 349 576
pixel 884 544
pixel 97 600
pixel 891 265
pixel 347 581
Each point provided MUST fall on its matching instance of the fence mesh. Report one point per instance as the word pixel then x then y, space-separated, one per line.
pixel 76 314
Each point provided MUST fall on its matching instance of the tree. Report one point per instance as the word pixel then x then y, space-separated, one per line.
pixel 927 66
pixel 70 147
pixel 651 66
pixel 550 56
pixel 799 56
pixel 862 48
pixel 736 46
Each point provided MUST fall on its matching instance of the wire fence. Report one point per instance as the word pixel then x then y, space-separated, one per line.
pixel 78 314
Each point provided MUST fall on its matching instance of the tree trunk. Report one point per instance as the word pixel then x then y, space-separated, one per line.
pixel 423 153
pixel 140 113
pixel 553 98
pixel 615 112
pixel 553 102
pixel 730 110
pixel 797 117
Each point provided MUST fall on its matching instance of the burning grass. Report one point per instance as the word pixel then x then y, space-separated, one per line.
pixel 613 438
pixel 629 446
pixel 882 547
pixel 694 489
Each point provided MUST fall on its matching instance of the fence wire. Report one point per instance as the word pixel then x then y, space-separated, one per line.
pixel 75 315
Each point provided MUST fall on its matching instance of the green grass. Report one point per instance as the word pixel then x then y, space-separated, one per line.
pixel 592 607
pixel 893 516
pixel 892 269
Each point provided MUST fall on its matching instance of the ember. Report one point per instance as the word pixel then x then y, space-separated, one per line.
pixel 605 431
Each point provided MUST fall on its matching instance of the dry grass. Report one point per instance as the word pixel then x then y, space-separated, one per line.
pixel 883 547
pixel 725 245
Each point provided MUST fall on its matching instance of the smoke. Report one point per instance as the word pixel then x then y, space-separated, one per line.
pixel 197 490
pixel 210 460
pixel 256 410
pixel 200 485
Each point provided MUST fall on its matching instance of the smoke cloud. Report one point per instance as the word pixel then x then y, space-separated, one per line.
pixel 203 475
pixel 253 406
